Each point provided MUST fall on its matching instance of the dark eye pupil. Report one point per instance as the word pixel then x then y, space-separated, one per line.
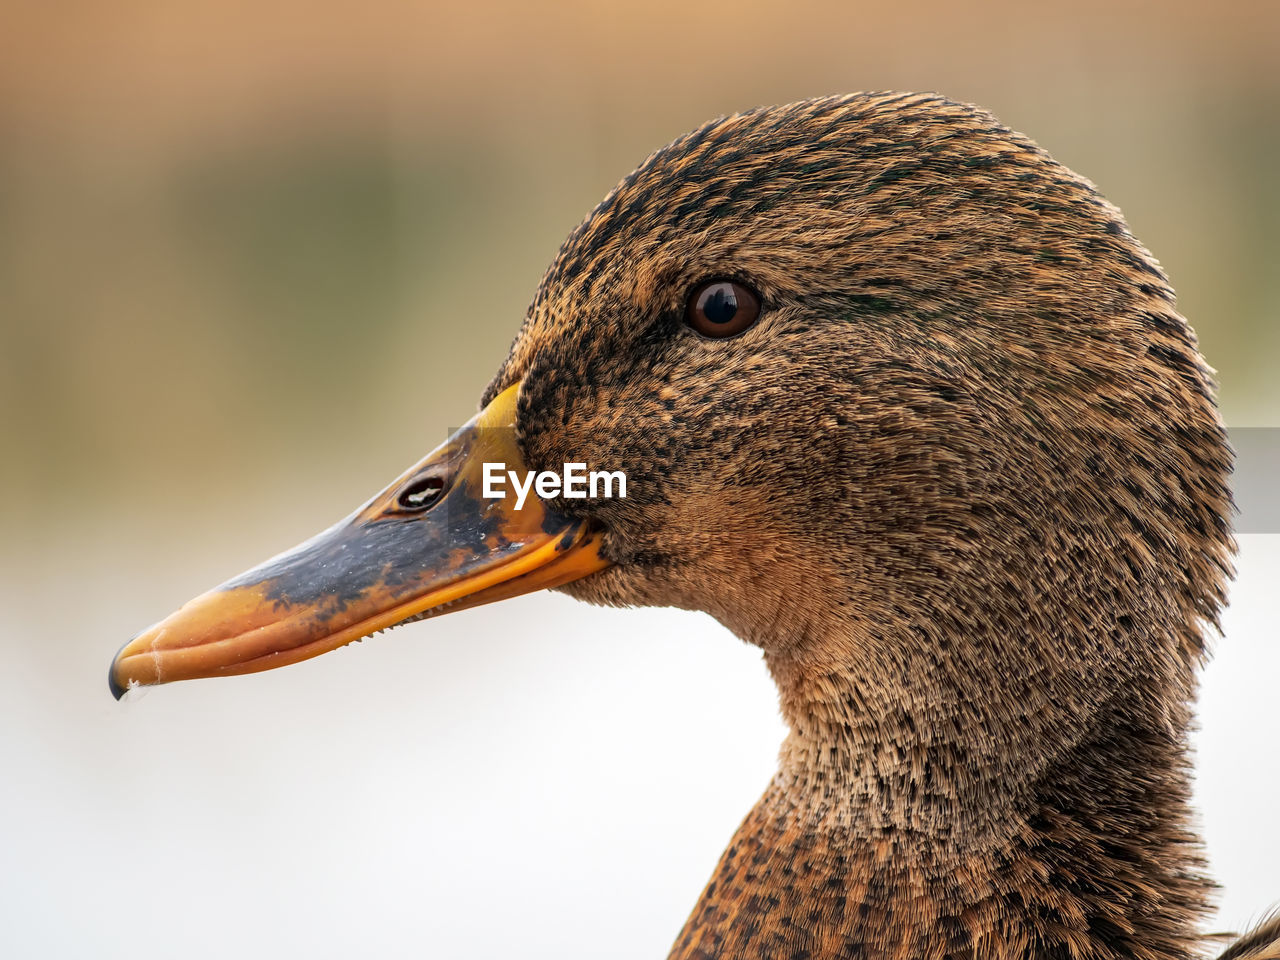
pixel 720 309
pixel 719 304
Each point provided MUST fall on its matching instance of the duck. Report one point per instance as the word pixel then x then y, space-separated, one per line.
pixel 901 401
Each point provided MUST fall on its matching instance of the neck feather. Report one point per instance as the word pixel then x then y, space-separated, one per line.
pixel 888 834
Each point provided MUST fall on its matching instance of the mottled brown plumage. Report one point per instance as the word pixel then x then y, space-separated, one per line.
pixel 964 484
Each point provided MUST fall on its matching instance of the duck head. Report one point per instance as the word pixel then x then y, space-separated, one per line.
pixel 898 399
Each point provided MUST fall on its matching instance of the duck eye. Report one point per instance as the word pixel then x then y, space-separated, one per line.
pixel 722 308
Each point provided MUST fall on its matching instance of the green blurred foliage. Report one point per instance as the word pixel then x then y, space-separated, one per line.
pixel 257 254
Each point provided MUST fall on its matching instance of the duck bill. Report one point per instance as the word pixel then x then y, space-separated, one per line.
pixel 431 542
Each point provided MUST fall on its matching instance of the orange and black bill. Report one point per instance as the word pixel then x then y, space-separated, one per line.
pixel 430 542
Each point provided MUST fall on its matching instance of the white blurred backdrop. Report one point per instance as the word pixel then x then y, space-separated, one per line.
pixel 535 779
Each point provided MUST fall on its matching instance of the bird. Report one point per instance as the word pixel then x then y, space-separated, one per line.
pixel 901 401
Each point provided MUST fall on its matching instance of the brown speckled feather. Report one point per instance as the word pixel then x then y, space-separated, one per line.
pixel 965 485
pixel 1261 943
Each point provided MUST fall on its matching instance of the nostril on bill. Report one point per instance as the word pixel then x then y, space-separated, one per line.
pixel 421 494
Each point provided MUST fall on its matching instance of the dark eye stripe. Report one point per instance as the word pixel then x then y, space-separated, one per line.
pixel 722 308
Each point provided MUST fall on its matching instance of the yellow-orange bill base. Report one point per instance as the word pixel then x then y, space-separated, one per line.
pixel 430 543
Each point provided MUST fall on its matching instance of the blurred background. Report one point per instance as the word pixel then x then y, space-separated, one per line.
pixel 257 258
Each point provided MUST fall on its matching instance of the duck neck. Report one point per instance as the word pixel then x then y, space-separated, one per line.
pixel 892 830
